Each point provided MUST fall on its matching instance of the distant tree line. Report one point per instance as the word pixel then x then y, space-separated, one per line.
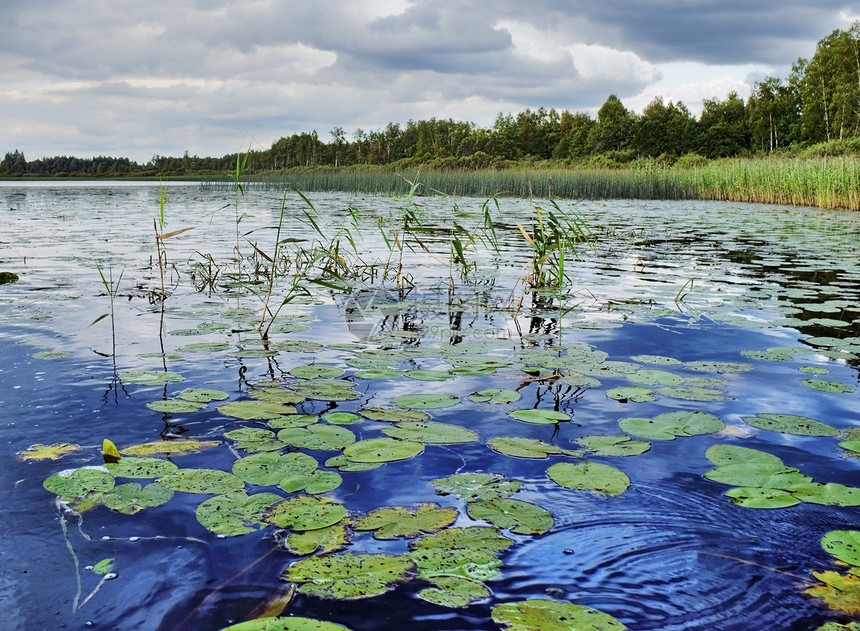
pixel 819 102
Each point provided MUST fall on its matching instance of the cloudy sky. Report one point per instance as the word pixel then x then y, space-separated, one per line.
pixel 211 77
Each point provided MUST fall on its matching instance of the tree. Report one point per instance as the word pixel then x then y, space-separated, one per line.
pixel 722 127
pixel 773 114
pixel 614 123
pixel 13 163
pixel 664 130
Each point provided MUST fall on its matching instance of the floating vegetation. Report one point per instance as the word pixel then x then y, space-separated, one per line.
pixel 589 476
pixel 47 452
pixel 790 424
pixel 349 576
pixel 397 522
pixel 553 615
pixel 669 425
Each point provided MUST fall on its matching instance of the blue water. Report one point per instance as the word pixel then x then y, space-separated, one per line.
pixel 671 553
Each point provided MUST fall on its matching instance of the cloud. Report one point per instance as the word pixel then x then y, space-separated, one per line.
pixel 136 79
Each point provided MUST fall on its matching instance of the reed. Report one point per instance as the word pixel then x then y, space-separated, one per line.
pixel 824 182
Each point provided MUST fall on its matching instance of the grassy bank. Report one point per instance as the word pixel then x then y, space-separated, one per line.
pixel 821 182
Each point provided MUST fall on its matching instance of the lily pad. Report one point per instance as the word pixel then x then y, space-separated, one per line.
pixel 277 395
pixel 830 494
pixel 718 367
pixel 765 476
pixel 302 512
pixel 378 373
pixel 823 385
pixel 293 421
pixel 690 392
pixel 51 355
pixel 204 347
pixel 342 463
pixel 428 375
pixel 47 452
pixel 80 482
pixel 840 591
pixel 396 522
pixel 174 447
pixel 453 591
pixel 320 437
pixel 349 576
pixel 131 498
pixel 208 481
pixel 255 439
pixel 382 450
pixel 430 432
pixel 235 513
pixel 292 623
pixel 651 377
pixel 202 395
pixel 270 468
pixel 474 487
pixel 495 396
pixel 255 410
pixel 315 371
pixel 141 468
pixel 175 407
pixel 755 497
pixel 320 541
pixel 393 415
pixel 733 454
pixel 671 424
pixel 150 378
pixel 523 518
pixel 844 545
pixel 637 394
pixel 591 476
pixel 791 424
pixel 523 447
pixel 851 445
pixel 552 615
pixel 342 418
pixel 325 389
pixel 614 445
pixel 539 416
pixel 425 401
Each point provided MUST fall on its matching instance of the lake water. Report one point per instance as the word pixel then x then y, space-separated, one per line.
pixel 733 310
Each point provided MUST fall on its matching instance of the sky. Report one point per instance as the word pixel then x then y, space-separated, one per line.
pixel 213 77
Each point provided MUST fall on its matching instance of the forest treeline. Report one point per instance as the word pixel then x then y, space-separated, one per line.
pixel 813 111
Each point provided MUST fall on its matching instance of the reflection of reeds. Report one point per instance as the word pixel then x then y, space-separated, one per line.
pixel 823 182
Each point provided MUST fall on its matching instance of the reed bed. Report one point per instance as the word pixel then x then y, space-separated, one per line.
pixel 822 182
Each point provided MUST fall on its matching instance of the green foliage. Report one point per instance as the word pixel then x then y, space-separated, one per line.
pixel 349 576
pixel 589 476
pixel 552 615
pixel 392 523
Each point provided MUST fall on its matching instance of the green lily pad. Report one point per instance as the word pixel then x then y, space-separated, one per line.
pixel 254 439
pixel 202 395
pixel 326 389
pixel 690 392
pixel 105 566
pixel 173 447
pixel 495 396
pixel 277 395
pixel 523 518
pixel 80 482
pixel 131 498
pixel 718 367
pixel 637 394
pixel 651 377
pixel 840 591
pixel 474 487
pixel 755 497
pixel 830 494
pixel 171 406
pixel 591 476
pixel 671 424
pixel 791 424
pixel 851 445
pixel 320 437
pixel 539 416
pixel 393 415
pixel 397 522
pixel 342 463
pixel 378 373
pixel 208 481
pixel 844 545
pixel 342 418
pixel 523 447
pixel 766 476
pixel 382 450
pixel 476 540
pixel 428 375
pixel 235 513
pixel 292 623
pixel 315 371
pixel 302 512
pixel 425 401
pixel 150 378
pixel 614 445
pixel 581 381
pixel 251 353
pixel 47 452
pixel 255 410
pixel 298 346
pixel 349 576
pixel 141 468
pixel 293 421
pixel 814 370
pixel 320 541
pixel 270 468
pixel 51 355
pixel 733 454
pixel 453 591
pixel 824 385
pixel 657 360
pixel 430 432
pixel 552 615
pixel 204 347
